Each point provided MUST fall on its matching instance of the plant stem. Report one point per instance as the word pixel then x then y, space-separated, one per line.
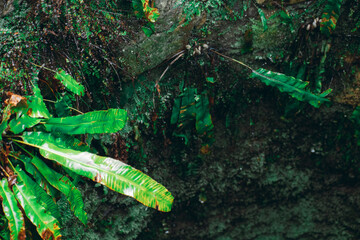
pixel 4 170
pixel 43 67
pixel 12 166
pixel 234 60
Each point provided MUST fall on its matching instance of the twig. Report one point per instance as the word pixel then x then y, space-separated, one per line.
pixel 47 100
pixel 232 59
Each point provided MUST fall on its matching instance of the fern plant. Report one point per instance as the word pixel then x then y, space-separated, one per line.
pixel 29 184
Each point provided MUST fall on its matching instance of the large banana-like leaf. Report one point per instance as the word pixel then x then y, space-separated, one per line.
pixel 43 198
pixel 294 87
pixel 64 185
pixel 12 211
pixel 19 125
pixel 46 225
pixel 40 180
pixel 114 174
pixel 67 141
pixel 69 82
pixel 108 121
pixel 37 107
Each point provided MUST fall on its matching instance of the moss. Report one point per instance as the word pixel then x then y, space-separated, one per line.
pixel 110 216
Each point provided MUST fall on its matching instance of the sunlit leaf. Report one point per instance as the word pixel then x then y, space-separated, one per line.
pixel 39 179
pixel 64 185
pixel 12 211
pixel 69 82
pixel 294 87
pixel 20 124
pixel 68 141
pixel 114 174
pixel 108 121
pixel 43 198
pixel 46 225
pixel 37 107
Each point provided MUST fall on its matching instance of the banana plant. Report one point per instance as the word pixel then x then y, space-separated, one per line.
pixel 30 138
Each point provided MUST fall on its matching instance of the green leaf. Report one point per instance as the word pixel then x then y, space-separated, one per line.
pixel 4 233
pixel 19 125
pixel 63 105
pixel 69 82
pixel 6 113
pixel 64 185
pixel 203 118
pixel 42 197
pixel 46 225
pixel 3 126
pixel 114 174
pixel 263 19
pixel 330 16
pixel 108 121
pixel 190 106
pixel 66 141
pixel 185 105
pixel 39 179
pixel 143 9
pixel 12 211
pixel 149 29
pixel 175 111
pixel 355 118
pixel 5 118
pixel 294 87
pixel 210 79
pixel 37 107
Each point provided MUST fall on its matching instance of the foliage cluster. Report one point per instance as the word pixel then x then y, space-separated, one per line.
pixel 54 138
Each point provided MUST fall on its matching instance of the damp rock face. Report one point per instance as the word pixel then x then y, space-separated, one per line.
pixel 272 173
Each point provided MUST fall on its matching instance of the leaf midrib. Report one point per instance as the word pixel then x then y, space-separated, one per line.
pixel 28 203
pixel 107 172
pixel 299 90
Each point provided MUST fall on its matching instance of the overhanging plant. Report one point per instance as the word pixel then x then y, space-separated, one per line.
pixel 29 184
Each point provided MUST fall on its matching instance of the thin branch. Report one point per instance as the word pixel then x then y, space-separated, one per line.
pixel 234 60
pixel 47 100
pixel 5 170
